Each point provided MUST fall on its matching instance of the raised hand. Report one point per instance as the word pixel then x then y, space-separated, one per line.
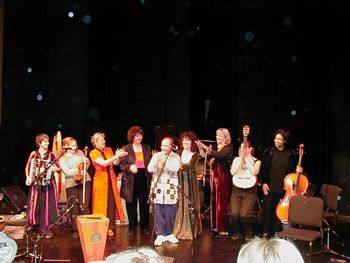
pixel 121 153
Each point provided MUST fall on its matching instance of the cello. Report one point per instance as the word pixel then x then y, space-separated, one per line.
pixel 295 184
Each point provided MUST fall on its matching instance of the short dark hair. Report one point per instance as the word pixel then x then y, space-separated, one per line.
pixel 40 137
pixel 284 134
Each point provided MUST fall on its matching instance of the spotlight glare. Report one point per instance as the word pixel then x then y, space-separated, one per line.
pixel 28 123
pixel 287 21
pixel 29 70
pixel 294 58
pixel 39 97
pixel 171 28
pixel 249 36
pixel 70 14
pixel 94 112
pixel 293 112
pixel 87 19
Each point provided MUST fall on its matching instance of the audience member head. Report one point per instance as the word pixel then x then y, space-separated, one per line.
pixel 274 250
pixel 136 255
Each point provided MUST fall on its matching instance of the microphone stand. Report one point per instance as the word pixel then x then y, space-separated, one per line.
pixel 37 256
pixel 192 208
pixel 84 174
pixel 206 153
pixel 328 249
pixel 36 184
pixel 150 197
pixel 46 168
pixel 82 207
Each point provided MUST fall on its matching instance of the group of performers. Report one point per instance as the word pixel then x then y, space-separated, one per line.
pixel 168 182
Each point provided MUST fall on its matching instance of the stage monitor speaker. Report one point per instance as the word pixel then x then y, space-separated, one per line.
pixel 12 200
pixel 93 235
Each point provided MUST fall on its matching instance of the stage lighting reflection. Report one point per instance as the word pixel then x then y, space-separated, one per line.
pixel 87 19
pixel 249 36
pixel 287 21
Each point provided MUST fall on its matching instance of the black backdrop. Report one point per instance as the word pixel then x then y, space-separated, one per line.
pixel 196 65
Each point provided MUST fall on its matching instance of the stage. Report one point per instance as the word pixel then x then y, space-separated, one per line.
pixel 63 247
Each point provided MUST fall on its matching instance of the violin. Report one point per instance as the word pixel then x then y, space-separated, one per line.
pixel 82 168
pixel 295 184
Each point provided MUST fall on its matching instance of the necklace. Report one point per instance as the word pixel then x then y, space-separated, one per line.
pixel 137 148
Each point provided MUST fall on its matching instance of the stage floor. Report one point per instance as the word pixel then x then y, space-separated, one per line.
pixel 63 247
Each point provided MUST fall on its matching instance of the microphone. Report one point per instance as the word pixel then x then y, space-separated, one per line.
pixel 81 208
pixel 86 150
pixel 66 148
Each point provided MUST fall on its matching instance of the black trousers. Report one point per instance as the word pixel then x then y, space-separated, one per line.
pixel 77 191
pixel 242 206
pixel 140 195
pixel 271 223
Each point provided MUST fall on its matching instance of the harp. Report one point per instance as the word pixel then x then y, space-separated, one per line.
pixel 56 149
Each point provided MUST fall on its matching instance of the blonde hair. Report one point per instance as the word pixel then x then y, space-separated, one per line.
pixel 274 250
pixel 226 134
pixel 95 137
pixel 68 140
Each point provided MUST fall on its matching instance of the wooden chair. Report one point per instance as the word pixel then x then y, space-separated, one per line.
pixel 331 195
pixel 305 215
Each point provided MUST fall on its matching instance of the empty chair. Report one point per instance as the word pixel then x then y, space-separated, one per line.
pixel 306 215
pixel 331 197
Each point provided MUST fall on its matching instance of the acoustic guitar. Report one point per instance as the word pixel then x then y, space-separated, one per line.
pixel 294 184
pixel 243 178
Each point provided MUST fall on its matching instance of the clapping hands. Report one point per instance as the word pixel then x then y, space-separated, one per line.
pixel 121 153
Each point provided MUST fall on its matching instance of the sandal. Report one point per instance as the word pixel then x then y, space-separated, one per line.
pixel 110 233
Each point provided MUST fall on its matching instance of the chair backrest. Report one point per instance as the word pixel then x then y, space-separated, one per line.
pixel 330 195
pixel 311 189
pixel 305 210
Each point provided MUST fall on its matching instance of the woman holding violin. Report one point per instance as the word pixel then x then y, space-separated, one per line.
pixel 277 162
pixel 74 164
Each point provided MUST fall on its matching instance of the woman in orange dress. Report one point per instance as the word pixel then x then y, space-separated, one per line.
pixel 105 195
